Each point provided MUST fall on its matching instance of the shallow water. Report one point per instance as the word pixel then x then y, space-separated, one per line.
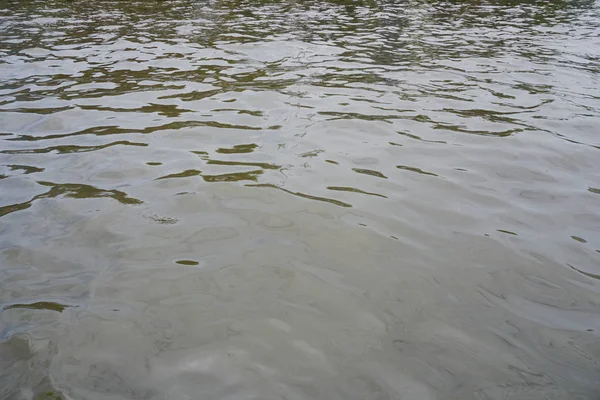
pixel 299 200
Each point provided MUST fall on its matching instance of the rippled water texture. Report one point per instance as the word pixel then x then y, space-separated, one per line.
pixel 296 200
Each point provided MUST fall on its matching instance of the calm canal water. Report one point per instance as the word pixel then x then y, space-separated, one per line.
pixel 299 200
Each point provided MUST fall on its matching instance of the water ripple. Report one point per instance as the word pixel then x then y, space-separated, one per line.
pixel 431 230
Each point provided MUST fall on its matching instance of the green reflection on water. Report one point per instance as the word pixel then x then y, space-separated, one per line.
pixel 303 195
pixel 71 190
pixel 41 305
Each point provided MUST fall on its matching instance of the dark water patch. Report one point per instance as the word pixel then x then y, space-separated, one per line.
pixel 304 195
pixel 40 305
pixel 184 174
pixel 234 177
pixel 71 190
pixel 165 110
pixel 244 164
pixel 28 169
pixel 354 190
pixel 350 116
pixel 246 112
pixel 311 154
pixel 49 395
pixel 370 172
pixel 238 149
pixel 163 220
pixel 588 274
pixel 414 169
pixel 187 262
pixel 417 137
pixel 507 232
pixel 73 148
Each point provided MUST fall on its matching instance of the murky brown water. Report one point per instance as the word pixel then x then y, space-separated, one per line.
pixel 299 200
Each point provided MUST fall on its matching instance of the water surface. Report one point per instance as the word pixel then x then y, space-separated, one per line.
pixel 299 200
